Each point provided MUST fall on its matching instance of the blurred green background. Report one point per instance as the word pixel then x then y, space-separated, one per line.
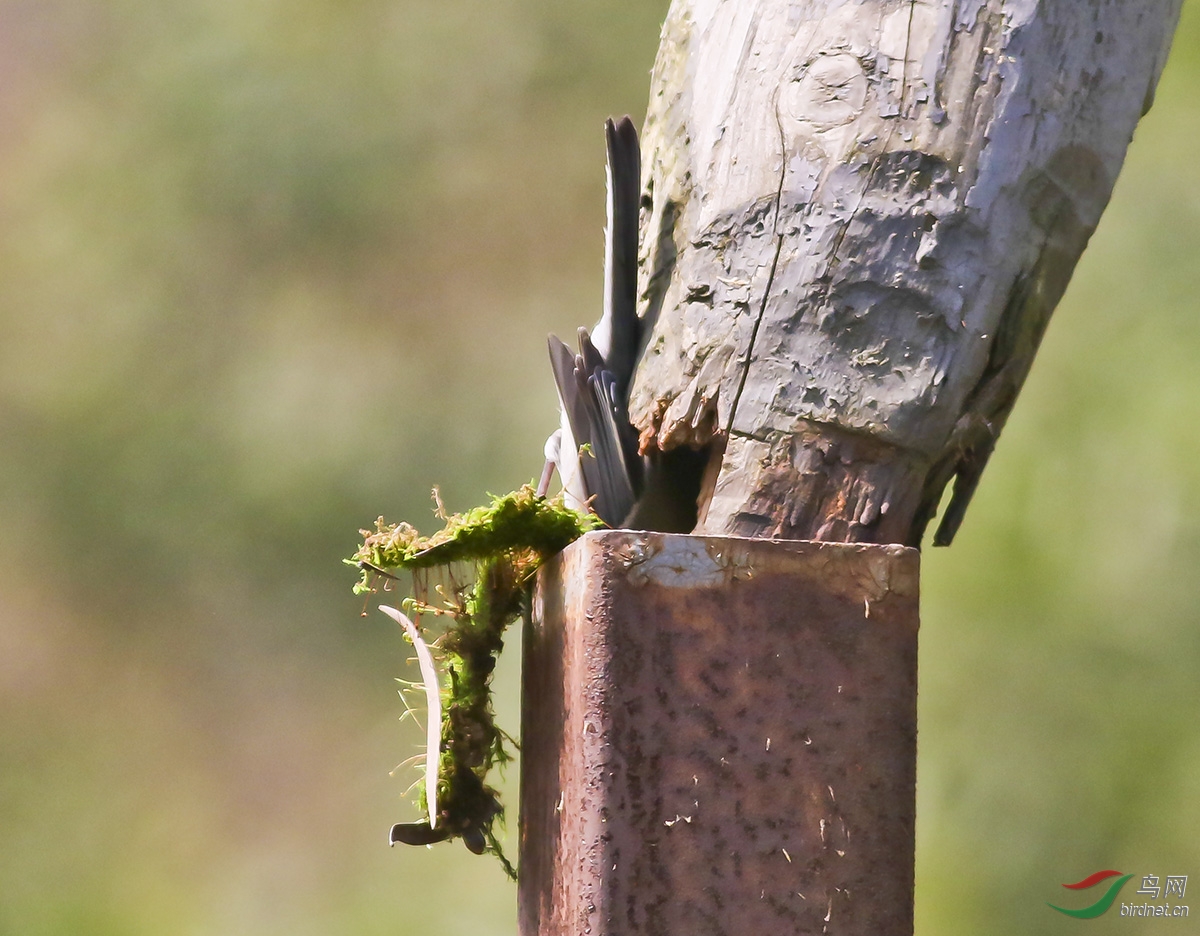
pixel 269 270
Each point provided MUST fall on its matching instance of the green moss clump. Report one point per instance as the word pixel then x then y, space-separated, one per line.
pixel 521 521
pixel 505 542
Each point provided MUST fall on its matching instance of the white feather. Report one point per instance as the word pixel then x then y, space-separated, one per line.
pixel 433 697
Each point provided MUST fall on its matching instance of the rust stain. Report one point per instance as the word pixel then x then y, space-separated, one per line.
pixel 687 719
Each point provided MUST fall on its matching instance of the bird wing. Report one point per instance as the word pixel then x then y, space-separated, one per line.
pixel 615 448
pixel 574 420
pixel 593 418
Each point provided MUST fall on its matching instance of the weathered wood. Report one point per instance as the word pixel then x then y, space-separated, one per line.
pixel 719 736
pixel 859 217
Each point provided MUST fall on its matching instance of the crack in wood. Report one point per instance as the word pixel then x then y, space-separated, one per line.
pixel 762 309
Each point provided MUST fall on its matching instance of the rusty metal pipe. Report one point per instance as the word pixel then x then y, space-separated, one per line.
pixel 719 737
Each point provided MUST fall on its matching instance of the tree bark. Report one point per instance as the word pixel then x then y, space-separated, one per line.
pixel 858 218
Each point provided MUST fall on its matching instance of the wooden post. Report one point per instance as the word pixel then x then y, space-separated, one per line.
pixel 861 214
pixel 719 737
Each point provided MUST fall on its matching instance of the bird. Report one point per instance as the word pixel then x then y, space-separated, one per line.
pixel 595 449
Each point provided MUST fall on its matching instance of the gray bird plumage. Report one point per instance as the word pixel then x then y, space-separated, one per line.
pixel 595 448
